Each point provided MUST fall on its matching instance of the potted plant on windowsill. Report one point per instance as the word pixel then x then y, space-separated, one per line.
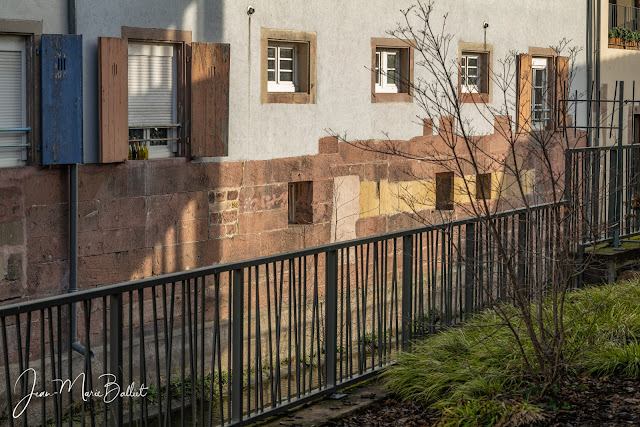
pixel 615 38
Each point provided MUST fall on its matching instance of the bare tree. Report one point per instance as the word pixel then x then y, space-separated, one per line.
pixel 520 166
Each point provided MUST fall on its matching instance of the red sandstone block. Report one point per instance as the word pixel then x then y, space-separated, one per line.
pixel 284 240
pixel 257 222
pixel 194 230
pixel 11 204
pixel 47 220
pixel 322 212
pixel 47 249
pixel 328 145
pixel 102 242
pixel 376 171
pixel 115 267
pixel 427 127
pixel 264 197
pixel 186 256
pixel 232 195
pixel 99 182
pixel 217 196
pixel 323 191
pixel 88 215
pixel 217 231
pixel 240 247
pixel 10 290
pixel 46 186
pixel 48 278
pixel 230 216
pixel 320 234
pixel 122 213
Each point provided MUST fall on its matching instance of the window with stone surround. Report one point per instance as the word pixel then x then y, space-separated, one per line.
pixel 391 70
pixel 288 66
pixel 474 77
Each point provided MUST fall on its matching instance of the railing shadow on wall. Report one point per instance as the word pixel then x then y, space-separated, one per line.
pixel 236 342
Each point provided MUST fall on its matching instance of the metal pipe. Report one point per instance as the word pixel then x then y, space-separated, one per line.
pixel 597 91
pixel 589 69
pixel 73 222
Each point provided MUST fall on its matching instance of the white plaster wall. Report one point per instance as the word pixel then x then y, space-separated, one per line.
pixel 52 13
pixel 344 31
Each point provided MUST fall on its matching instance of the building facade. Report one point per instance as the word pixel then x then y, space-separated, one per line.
pixel 203 133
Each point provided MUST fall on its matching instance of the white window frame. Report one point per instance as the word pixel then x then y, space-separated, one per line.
pixel 279 85
pixel 16 44
pixel 464 72
pixel 540 65
pixel 382 70
pixel 171 148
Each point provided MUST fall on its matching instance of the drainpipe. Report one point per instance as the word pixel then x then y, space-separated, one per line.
pixel 73 222
pixel 597 91
pixel 589 70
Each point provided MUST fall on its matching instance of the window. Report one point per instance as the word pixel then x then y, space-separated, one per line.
pixel 13 105
pixel 391 70
pixel 282 67
pixel 387 70
pixel 444 191
pixel 540 106
pixel 288 68
pixel 483 186
pixel 152 99
pixel 474 77
pixel 300 202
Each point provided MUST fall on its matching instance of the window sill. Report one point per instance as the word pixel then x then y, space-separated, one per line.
pixel 474 98
pixel 288 98
pixel 391 97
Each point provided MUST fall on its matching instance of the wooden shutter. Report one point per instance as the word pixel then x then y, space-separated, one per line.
pixel 12 101
pixel 562 91
pixel 112 99
pixel 523 94
pixel 61 80
pixel 210 99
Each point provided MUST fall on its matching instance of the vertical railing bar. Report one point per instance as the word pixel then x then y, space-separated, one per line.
pixel 290 302
pixel 299 359
pixel 116 355
pixel 340 308
pixel 407 246
pixel 183 343
pixel 394 285
pixel 259 381
pixel 42 366
pixel 273 398
pixel 349 338
pixel 237 346
pixel 154 304
pixel 231 403
pixel 303 309
pixel 7 377
pixel 69 361
pixel 143 358
pixel 331 306
pixel 87 357
pixel 359 336
pixel 27 346
pixel 296 324
pixel 169 347
pixel 249 343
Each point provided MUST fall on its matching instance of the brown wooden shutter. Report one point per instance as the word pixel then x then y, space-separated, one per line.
pixel 562 91
pixel 210 99
pixel 525 75
pixel 112 99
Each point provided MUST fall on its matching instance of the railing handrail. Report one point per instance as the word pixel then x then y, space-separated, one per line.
pixel 120 288
pixel 602 148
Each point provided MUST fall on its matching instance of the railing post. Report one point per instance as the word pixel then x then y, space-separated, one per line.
pixel 469 267
pixel 116 357
pixel 522 249
pixel 236 350
pixel 618 201
pixel 331 317
pixel 407 270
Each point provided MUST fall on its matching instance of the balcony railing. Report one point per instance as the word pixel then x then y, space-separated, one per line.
pixel 624 17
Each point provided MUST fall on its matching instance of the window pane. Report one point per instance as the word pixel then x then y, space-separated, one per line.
pixel 473 62
pixel 286 53
pixel 473 81
pixel 377 68
pixel 391 60
pixel 158 133
pixel 136 133
pixel 286 76
pixel 271 52
pixel 391 77
pixel 538 77
pixel 464 61
pixel 271 64
pixel 473 72
pixel 286 65
pixel 271 76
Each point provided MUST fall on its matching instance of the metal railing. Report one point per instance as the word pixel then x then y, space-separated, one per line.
pixel 624 17
pixel 605 181
pixel 233 343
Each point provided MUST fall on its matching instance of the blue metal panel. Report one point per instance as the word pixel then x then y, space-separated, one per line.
pixel 61 57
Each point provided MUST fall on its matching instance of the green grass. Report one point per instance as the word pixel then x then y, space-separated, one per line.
pixel 462 370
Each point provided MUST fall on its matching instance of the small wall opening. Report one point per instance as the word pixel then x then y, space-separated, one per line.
pixel 300 200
